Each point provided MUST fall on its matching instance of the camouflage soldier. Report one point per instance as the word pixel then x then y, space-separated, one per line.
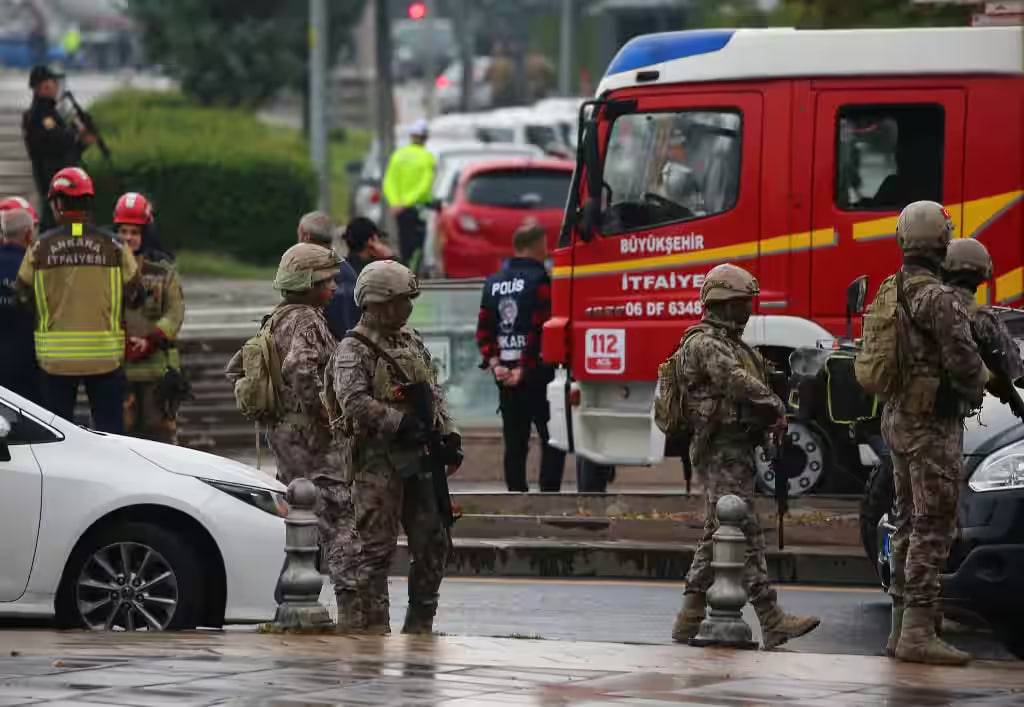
pixel 967 265
pixel 298 430
pixel 383 443
pixel 940 379
pixel 301 439
pixel 723 388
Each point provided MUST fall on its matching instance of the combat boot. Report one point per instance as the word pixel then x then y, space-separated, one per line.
pixel 419 619
pixel 919 644
pixel 689 618
pixel 379 620
pixel 346 601
pixel 777 626
pixel 897 626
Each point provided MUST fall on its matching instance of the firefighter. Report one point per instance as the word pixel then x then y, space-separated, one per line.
pixel 515 303
pixel 155 385
pixel 408 185
pixel 50 143
pixel 79 277
pixel 18 369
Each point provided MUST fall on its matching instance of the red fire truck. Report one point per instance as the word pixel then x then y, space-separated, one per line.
pixel 789 152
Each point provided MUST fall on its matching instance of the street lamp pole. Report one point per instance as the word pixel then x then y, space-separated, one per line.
pixel 318 143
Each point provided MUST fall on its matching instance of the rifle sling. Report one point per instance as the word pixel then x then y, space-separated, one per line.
pixel 388 358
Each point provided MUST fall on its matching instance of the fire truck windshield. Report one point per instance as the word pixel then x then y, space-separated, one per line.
pixel 667 167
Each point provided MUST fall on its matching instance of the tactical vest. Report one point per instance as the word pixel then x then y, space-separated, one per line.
pixel 152 312
pixel 79 299
pixel 511 297
pixel 369 454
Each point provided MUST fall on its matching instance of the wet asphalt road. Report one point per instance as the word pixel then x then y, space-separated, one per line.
pixel 854 621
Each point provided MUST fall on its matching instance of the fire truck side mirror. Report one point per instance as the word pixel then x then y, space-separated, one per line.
pixel 856 296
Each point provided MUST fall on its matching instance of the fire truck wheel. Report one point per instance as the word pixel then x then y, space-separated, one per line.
pixel 591 477
pixel 812 459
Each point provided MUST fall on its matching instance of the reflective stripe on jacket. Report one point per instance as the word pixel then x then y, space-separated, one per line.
pixel 78 274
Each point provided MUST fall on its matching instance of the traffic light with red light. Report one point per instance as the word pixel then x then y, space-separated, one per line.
pixel 417 10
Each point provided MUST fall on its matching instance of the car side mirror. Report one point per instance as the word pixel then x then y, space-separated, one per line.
pixel 856 295
pixel 5 431
pixel 5 428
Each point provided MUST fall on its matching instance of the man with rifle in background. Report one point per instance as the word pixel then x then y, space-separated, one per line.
pixel 967 265
pixel 399 445
pixel 719 389
pixel 52 145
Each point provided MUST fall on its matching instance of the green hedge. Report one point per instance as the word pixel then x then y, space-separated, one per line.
pixel 220 180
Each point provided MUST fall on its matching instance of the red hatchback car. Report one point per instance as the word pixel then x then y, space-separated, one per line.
pixel 490 201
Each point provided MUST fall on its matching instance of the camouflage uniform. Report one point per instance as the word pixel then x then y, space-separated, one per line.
pixel 967 265
pixel 730 408
pixel 300 437
pixel 158 317
pixel 941 379
pixel 383 447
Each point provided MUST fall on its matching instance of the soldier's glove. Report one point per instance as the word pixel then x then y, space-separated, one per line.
pixel 452 445
pixel 410 431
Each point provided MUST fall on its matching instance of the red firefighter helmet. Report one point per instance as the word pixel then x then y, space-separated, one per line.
pixel 71 181
pixel 133 208
pixel 16 202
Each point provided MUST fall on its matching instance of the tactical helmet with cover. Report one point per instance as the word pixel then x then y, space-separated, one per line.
pixel 968 255
pixel 924 226
pixel 727 282
pixel 305 264
pixel 382 281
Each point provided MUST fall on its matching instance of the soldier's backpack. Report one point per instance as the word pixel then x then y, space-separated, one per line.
pixel 256 392
pixel 670 402
pixel 877 365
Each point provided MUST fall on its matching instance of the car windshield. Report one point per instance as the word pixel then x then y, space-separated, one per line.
pixel 666 167
pixel 520 188
pixel 493 133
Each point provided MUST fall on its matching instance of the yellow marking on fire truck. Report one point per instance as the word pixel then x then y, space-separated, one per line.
pixel 979 214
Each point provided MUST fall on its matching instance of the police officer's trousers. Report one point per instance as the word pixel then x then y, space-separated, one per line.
pixel 522 406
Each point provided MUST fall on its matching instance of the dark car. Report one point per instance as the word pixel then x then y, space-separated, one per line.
pixel 984 579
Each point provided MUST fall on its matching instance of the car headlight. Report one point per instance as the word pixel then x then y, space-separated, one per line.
pixel 1000 470
pixel 266 500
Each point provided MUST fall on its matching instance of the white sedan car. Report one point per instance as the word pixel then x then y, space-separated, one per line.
pixel 108 532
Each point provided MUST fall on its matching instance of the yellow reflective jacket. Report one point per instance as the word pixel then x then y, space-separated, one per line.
pixel 78 276
pixel 410 176
pixel 162 308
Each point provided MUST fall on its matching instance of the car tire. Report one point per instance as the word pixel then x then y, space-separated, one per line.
pixel 876 501
pixel 591 477
pixel 164 551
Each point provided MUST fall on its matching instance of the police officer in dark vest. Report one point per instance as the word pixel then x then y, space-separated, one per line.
pixel 52 145
pixel 515 304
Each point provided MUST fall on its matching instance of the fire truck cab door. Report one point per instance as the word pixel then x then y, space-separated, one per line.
pixel 875 151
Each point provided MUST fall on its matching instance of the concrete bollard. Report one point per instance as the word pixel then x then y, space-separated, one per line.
pixel 300 608
pixel 724 625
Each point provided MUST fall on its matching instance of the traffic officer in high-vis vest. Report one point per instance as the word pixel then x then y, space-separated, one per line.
pixel 79 277
pixel 150 407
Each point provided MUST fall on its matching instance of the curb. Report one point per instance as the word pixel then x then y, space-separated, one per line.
pixel 521 557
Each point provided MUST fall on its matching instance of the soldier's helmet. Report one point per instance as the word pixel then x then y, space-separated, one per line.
pixel 384 280
pixel 727 281
pixel 305 264
pixel 968 255
pixel 924 226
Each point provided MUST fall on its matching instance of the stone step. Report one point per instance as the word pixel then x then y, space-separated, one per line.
pixel 804 529
pixel 523 557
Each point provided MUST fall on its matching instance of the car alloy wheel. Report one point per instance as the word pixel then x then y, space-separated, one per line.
pixel 126 586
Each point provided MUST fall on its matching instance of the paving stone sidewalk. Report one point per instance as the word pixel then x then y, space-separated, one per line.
pixel 215 668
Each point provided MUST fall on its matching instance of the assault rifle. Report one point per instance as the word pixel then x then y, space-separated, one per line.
pixel 85 118
pixel 1005 389
pixel 775 447
pixel 439 455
